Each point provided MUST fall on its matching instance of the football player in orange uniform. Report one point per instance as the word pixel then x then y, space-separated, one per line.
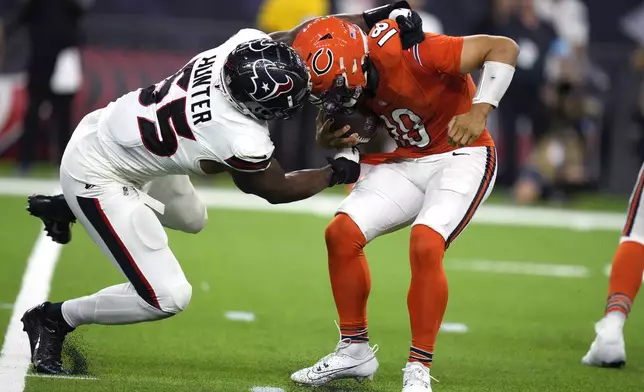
pixel 608 349
pixel 443 170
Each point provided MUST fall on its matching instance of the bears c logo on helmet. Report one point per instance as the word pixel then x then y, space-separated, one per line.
pixel 322 61
pixel 265 85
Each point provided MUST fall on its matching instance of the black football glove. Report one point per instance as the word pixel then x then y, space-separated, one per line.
pixel 373 16
pixel 346 166
pixel 411 28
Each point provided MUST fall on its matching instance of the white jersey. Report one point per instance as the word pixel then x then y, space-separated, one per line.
pixel 169 128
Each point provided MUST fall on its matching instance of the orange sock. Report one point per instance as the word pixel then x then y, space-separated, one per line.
pixel 350 277
pixel 625 277
pixel 427 298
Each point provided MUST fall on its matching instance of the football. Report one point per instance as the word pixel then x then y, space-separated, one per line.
pixel 364 126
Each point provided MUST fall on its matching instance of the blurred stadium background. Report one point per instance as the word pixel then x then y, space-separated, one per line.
pixel 526 283
pixel 573 118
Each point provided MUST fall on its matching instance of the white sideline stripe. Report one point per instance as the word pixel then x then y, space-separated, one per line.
pixel 35 375
pixel 36 281
pixel 454 328
pixel 236 315
pixel 325 205
pixel 25 187
pixel 266 389
pixel 6 306
pixel 519 268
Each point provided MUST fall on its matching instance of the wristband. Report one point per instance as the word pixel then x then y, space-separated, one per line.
pixel 494 82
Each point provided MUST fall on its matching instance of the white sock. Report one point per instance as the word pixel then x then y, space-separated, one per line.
pixel 615 319
pixel 118 304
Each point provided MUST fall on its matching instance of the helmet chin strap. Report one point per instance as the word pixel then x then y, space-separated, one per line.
pixel 372 76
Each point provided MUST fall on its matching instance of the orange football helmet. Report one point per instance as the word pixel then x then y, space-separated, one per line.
pixel 335 52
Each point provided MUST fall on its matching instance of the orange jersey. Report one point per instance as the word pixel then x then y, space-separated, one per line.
pixel 420 90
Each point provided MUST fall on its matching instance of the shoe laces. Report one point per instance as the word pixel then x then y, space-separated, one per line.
pixel 417 373
pixel 342 344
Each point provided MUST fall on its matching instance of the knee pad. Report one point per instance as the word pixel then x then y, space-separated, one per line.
pixel 186 213
pixel 195 218
pixel 174 298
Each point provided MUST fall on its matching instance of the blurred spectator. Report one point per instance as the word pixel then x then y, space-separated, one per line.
pixel 431 24
pixel 556 165
pixel 638 115
pixel 527 96
pixel 633 25
pixel 570 20
pixel 277 15
pixel 54 69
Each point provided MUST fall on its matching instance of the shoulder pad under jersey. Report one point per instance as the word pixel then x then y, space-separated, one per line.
pixel 384 43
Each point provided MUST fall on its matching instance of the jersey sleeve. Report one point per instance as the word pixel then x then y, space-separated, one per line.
pixel 439 53
pixel 250 150
pixel 245 35
pixel 384 44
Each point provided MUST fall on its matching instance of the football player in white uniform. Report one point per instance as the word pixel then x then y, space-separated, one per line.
pixel 125 172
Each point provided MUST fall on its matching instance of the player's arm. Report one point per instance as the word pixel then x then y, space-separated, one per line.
pixel 278 187
pixel 442 54
pixel 497 57
pixel 437 53
pixel 365 21
pixel 481 49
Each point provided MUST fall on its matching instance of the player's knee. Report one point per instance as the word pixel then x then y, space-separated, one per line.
pixel 425 244
pixel 343 235
pixel 174 298
pixel 190 214
pixel 196 219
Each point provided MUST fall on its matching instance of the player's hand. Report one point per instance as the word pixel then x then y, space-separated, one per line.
pixel 332 139
pixel 346 166
pixel 410 25
pixel 464 129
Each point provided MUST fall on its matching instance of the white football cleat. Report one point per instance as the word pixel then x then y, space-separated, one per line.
pixel 416 378
pixel 608 349
pixel 348 360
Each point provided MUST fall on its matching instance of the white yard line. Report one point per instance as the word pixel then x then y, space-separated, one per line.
pixel 25 187
pixel 447 327
pixel 266 389
pixel 325 205
pixel 15 354
pixel 518 268
pixel 36 375
pixel 237 315
pixel 6 306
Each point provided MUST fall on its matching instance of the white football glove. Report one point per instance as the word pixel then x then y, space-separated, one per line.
pixel 350 153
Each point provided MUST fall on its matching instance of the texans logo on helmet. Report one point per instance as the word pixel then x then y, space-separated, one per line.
pixel 322 64
pixel 261 45
pixel 266 87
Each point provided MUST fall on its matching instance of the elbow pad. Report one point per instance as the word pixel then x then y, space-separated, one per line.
pixel 375 15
